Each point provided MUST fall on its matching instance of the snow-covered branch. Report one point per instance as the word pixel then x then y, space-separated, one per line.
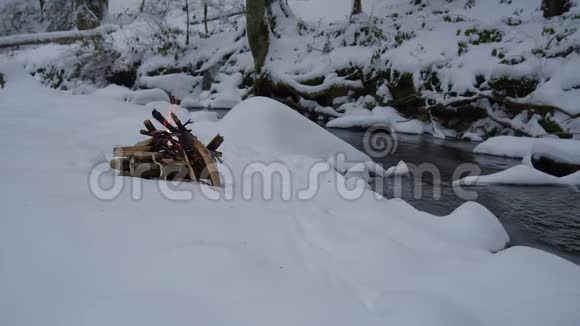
pixel 54 37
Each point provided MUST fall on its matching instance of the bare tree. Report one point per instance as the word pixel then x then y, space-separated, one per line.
pixel 187 22
pixel 205 17
pixel 553 8
pixel 356 7
pixel 258 36
pixel 90 13
pixel 41 4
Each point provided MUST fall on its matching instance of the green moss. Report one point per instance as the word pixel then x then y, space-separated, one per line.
pixel 461 48
pixel 513 61
pixel 548 31
pixel 539 53
pixel 403 36
pixel 484 36
pixel 313 81
pixel 550 126
pixel 513 87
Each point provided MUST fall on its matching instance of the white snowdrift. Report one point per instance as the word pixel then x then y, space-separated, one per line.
pixel 522 175
pixel 561 150
pixel 386 116
pixel 113 91
pixel 178 85
pixel 272 126
pixel 68 258
pixel 145 96
pixel 401 169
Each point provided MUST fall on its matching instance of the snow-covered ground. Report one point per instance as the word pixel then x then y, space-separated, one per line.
pixel 69 258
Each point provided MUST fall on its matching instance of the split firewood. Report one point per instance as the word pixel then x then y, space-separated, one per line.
pixel 172 153
pixel 149 125
pixel 130 151
pixel 146 142
pixel 215 143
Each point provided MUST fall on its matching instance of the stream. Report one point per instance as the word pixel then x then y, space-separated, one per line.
pixel 547 218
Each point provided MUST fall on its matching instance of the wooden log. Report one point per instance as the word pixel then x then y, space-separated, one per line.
pixel 210 163
pixel 120 164
pixel 149 125
pixel 159 117
pixel 130 151
pixel 215 143
pixel 146 142
pixel 155 171
pixel 190 142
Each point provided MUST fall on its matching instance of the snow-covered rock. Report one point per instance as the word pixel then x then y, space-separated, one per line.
pixel 560 150
pixel 522 174
pixel 386 116
pixel 120 93
pixel 145 96
pixel 178 85
pixel 401 169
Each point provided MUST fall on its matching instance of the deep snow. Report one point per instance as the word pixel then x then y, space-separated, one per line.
pixel 68 258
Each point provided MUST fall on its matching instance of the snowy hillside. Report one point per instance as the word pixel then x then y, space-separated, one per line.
pixel 71 256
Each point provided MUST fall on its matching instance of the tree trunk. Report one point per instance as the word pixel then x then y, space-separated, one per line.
pixel 187 22
pixel 553 8
pixel 41 4
pixel 356 7
pixel 90 13
pixel 258 37
pixel 205 18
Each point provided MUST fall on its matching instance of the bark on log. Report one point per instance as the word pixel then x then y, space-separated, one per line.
pixel 215 143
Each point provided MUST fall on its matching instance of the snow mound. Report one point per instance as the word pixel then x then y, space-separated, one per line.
pixel 203 115
pixel 143 97
pixel 272 126
pixel 191 103
pixel 119 93
pixel 474 225
pixel 401 169
pixel 560 150
pixel 522 174
pixel 178 85
pixel 387 116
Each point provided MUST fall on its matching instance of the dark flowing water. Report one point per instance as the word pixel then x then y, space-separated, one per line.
pixel 547 218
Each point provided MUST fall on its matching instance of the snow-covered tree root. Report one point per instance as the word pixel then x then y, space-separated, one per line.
pixel 470 109
pixel 55 37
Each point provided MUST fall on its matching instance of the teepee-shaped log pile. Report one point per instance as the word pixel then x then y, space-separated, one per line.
pixel 173 154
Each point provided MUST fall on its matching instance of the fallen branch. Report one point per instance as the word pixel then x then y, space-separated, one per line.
pixel 214 18
pixel 55 37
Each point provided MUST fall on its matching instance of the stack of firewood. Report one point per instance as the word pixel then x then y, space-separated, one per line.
pixel 171 153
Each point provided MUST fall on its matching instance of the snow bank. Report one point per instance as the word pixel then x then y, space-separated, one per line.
pixel 386 116
pixel 74 259
pixel 113 91
pixel 560 150
pixel 520 175
pixel 272 126
pixel 401 169
pixel 145 96
pixel 178 85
